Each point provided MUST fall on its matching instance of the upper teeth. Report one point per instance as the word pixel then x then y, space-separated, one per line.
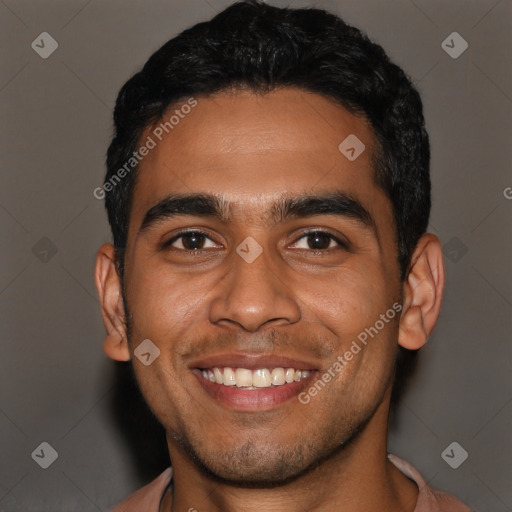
pixel 253 379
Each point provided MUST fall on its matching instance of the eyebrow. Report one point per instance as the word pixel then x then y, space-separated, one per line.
pixel 208 205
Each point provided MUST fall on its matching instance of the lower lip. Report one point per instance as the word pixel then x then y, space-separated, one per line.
pixel 252 399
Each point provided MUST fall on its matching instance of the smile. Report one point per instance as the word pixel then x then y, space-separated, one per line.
pixel 243 378
pixel 252 390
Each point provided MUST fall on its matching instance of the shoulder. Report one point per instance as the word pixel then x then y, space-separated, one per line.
pixel 429 500
pixel 148 497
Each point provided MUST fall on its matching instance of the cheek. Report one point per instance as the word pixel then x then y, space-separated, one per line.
pixel 350 300
pixel 162 392
pixel 350 306
pixel 164 302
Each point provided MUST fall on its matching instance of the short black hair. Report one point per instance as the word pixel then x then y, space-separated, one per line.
pixel 255 46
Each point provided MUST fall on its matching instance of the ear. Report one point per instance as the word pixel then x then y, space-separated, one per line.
pixel 108 284
pixel 423 292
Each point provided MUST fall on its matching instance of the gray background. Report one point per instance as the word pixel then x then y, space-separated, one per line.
pixel 57 386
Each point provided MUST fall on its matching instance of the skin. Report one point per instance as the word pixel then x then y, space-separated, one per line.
pixel 292 300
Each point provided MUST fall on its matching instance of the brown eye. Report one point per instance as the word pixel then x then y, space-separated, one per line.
pixel 190 241
pixel 318 241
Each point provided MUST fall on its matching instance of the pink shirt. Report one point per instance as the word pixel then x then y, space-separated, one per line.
pixel 147 499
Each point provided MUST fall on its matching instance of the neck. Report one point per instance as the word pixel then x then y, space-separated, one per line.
pixel 358 477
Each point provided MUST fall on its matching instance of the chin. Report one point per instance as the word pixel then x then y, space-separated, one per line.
pixel 260 465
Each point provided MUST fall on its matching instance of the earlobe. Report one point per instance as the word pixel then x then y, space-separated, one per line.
pixel 423 292
pixel 116 347
pixel 108 285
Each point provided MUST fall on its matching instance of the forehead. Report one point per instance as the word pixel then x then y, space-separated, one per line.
pixel 251 147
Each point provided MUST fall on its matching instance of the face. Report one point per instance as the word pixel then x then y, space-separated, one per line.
pixel 292 262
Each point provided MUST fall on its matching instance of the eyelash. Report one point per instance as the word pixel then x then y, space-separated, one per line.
pixel 305 234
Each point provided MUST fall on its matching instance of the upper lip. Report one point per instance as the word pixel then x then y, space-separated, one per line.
pixel 251 362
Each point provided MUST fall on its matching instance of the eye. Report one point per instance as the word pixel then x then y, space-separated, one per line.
pixel 190 241
pixel 318 240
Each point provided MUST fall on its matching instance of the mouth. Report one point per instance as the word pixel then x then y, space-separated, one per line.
pixel 251 383
pixel 244 378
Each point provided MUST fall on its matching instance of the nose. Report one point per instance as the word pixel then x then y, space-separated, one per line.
pixel 253 295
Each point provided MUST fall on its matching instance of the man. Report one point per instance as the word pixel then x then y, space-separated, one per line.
pixel 268 192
